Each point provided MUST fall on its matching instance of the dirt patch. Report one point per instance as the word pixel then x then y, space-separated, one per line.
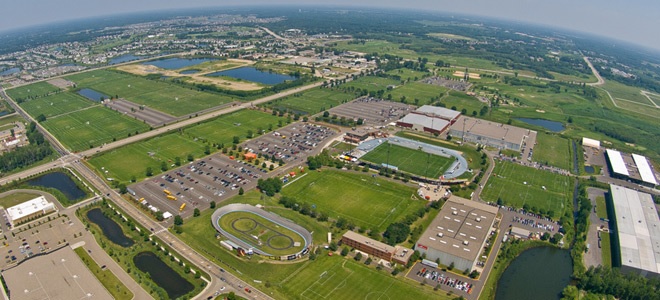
pixel 471 75
pixel 61 83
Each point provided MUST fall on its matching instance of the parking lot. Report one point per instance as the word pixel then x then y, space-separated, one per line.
pixel 291 143
pixel 446 281
pixel 375 112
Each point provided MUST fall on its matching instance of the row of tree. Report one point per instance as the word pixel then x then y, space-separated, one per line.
pixel 21 157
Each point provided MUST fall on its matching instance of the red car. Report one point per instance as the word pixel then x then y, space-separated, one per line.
pixel 248 290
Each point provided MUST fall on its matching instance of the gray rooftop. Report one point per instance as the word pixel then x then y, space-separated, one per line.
pixel 426 121
pixel 439 112
pixel 638 229
pixel 494 130
pixel 460 220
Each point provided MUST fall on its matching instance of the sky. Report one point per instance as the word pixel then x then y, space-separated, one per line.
pixel 634 21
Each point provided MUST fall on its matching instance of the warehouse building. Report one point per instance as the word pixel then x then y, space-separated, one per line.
pixel 636 238
pixel 632 167
pixel 438 112
pixel 29 209
pixel 372 247
pixel 430 119
pixel 488 133
pixel 587 142
pixel 458 234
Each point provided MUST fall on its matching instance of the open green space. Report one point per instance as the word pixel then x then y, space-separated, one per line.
pixel 408 74
pixel 312 101
pixel 409 160
pixel 553 150
pixel 16 198
pixel 92 127
pixel 7 122
pixel 132 160
pixel 370 84
pixel 625 93
pixel 601 207
pixel 418 93
pixel 55 104
pixel 460 101
pixel 378 46
pixel 111 283
pixel 606 249
pixel 366 201
pixel 270 238
pixel 526 187
pixel 163 96
pixel 34 90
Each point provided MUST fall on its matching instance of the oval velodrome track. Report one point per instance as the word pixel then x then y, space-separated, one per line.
pixel 306 235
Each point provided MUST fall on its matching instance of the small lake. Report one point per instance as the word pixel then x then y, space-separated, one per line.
pixel 175 285
pixel 123 59
pixel 110 228
pixel 61 182
pixel 10 71
pixel 549 125
pixel 177 63
pixel 589 169
pixel 538 273
pixel 193 71
pixel 92 95
pixel 254 75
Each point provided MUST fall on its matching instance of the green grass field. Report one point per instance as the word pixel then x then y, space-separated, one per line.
pixel 312 101
pixel 371 83
pixel 111 283
pixel 16 198
pixel 365 201
pixel 408 74
pixel 553 150
pixel 132 160
pixel 7 121
pixel 423 92
pixel 163 96
pixel 601 207
pixel 521 186
pixel 39 89
pixel 606 249
pixel 272 238
pixel 56 104
pixel 409 160
pixel 92 127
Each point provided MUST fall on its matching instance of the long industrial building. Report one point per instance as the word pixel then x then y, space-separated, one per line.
pixel 633 167
pixel 636 238
pixel 497 135
pixel 429 118
pixel 458 234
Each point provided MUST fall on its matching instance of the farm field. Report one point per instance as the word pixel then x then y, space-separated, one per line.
pixel 522 186
pixel 166 97
pixel 366 201
pixel 133 160
pixel 39 89
pixel 409 160
pixel 418 93
pixel 92 127
pixel 312 101
pixel 55 104
pixel 272 238
pixel 553 150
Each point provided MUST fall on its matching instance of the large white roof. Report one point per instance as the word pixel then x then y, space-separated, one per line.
pixel 29 207
pixel 426 121
pixel 638 229
pixel 440 112
pixel 617 163
pixel 590 142
pixel 644 168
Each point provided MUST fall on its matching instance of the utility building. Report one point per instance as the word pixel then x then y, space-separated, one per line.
pixel 29 209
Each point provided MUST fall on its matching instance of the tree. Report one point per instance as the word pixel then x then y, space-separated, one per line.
pixel 122 188
pixel 344 251
pixel 196 212
pixel 556 238
pixel 270 186
pixel 149 172
pixel 396 233
pixel 177 161
pixel 190 157
pixel 41 118
pixel 358 256
pixel 207 149
pixel 333 246
pixel 451 266
pixel 236 140
pixel 178 220
pixel 163 166
pixel 241 191
pixel 212 204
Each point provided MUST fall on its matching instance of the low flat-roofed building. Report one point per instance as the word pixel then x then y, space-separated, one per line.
pixel 636 231
pixel 29 209
pixel 423 123
pixel 489 133
pixel 438 112
pixel 59 275
pixel 458 233
pixel 645 170
pixel 375 248
pixel 633 167
pixel 587 142
pixel 617 165
pixel 520 233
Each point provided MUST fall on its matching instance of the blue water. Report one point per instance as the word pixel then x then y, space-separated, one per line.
pixel 589 169
pixel 10 71
pixel 61 182
pixel 174 285
pixel 92 95
pixel 177 63
pixel 110 228
pixel 254 75
pixel 122 59
pixel 189 72
pixel 549 125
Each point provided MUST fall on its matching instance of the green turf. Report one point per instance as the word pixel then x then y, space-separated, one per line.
pixel 408 74
pixel 409 160
pixel 417 93
pixel 56 104
pixel 521 186
pixel 370 84
pixel 39 89
pixel 163 96
pixel 111 283
pixel 606 249
pixel 601 208
pixel 552 150
pixel 461 101
pixel 312 101
pixel 221 130
pixel 16 198
pixel 365 201
pixel 92 127
pixel 246 225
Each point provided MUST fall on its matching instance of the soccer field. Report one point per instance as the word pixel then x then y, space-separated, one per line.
pixel 553 150
pixel 409 160
pixel 312 101
pixel 38 89
pixel 366 201
pixel 518 186
pixel 56 104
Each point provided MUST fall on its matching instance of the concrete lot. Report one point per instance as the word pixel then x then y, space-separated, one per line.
pixel 448 282
pixel 594 256
pixel 374 112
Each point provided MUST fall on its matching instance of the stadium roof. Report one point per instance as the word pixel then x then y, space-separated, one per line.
pixel 440 112
pixel 493 130
pixel 426 121
pixel 29 207
pixel 638 229
pixel 459 222
pixel 644 169
pixel 616 160
pixel 590 142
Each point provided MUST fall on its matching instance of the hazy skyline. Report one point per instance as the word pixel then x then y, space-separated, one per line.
pixel 633 21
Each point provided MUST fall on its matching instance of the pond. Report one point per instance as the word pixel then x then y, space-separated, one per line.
pixel 537 273
pixel 10 71
pixel 123 59
pixel 110 228
pixel 589 169
pixel 177 63
pixel 175 285
pixel 61 182
pixel 547 124
pixel 92 95
pixel 254 75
